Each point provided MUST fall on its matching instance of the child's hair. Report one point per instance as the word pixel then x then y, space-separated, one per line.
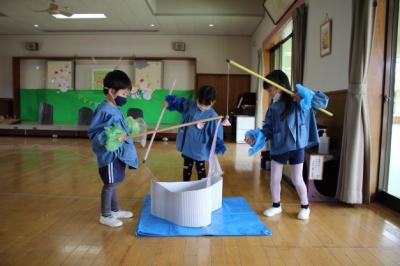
pixel 206 95
pixel 117 80
pixel 278 76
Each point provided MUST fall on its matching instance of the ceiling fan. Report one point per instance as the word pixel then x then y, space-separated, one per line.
pixel 54 9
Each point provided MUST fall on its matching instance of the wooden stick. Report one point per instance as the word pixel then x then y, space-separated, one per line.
pixel 245 69
pixel 177 126
pixel 157 125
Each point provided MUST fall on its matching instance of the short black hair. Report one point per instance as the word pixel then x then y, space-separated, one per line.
pixel 206 95
pixel 117 80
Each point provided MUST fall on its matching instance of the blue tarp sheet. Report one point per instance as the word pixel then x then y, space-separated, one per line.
pixel 235 218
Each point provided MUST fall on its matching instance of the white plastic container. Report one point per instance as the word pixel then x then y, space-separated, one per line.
pixel 324 140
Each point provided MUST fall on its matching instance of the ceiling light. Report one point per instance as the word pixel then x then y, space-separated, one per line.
pixel 79 16
pixel 36 26
pixel 211 25
pixel 152 25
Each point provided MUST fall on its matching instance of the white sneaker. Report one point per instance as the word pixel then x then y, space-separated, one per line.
pixel 304 214
pixel 122 214
pixel 273 211
pixel 111 221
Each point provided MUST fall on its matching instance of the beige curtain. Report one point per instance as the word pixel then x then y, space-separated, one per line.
pixel 354 169
pixel 299 43
pixel 259 94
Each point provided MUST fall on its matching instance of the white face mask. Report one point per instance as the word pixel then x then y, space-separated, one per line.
pixel 203 108
pixel 276 97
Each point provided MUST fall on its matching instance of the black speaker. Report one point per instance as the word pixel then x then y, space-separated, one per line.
pixel 325 189
pixel 32 46
pixel 179 46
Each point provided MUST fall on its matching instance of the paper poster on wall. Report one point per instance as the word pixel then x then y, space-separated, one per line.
pixel 148 78
pixel 59 75
pixel 98 76
pixel 316 167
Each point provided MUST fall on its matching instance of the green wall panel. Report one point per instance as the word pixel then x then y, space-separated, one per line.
pixel 66 105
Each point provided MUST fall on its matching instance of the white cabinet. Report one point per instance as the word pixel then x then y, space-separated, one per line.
pixel 243 124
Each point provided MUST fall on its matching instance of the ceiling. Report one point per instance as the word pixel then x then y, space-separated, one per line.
pixel 183 17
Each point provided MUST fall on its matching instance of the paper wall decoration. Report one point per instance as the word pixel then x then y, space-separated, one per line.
pixel 148 77
pixel 59 75
pixel 98 76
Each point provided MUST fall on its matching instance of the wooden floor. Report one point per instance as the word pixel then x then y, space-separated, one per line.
pixel 49 210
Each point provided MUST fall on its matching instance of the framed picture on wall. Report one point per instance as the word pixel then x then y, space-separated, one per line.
pixel 326 38
pixel 276 9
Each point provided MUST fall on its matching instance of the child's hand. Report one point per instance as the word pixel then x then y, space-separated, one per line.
pixel 165 104
pixel 200 125
pixel 122 138
pixel 220 148
pixel 296 98
pixel 249 140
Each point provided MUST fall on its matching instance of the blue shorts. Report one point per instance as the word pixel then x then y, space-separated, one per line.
pixel 294 157
pixel 113 172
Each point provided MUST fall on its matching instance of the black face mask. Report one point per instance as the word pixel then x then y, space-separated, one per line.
pixel 119 101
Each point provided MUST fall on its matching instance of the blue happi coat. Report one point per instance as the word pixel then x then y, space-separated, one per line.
pixel 107 115
pixel 191 141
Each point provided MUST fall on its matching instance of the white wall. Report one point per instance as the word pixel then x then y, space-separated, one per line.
pixel 182 72
pixel 33 74
pixel 263 30
pixel 210 51
pixel 328 73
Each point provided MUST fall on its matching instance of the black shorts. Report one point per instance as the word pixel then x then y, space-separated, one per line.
pixel 294 157
pixel 113 172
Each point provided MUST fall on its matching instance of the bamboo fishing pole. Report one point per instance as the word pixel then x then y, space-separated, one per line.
pixel 176 126
pixel 158 125
pixel 245 69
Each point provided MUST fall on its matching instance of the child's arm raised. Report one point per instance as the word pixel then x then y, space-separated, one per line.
pixel 320 100
pixel 175 103
pixel 308 98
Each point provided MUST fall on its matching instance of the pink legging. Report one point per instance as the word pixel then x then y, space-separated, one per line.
pixel 297 179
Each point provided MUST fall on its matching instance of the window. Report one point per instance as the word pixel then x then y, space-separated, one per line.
pixel 393 178
pixel 389 177
pixel 281 56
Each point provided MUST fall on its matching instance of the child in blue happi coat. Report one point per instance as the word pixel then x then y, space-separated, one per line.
pixel 194 142
pixel 112 164
pixel 291 127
